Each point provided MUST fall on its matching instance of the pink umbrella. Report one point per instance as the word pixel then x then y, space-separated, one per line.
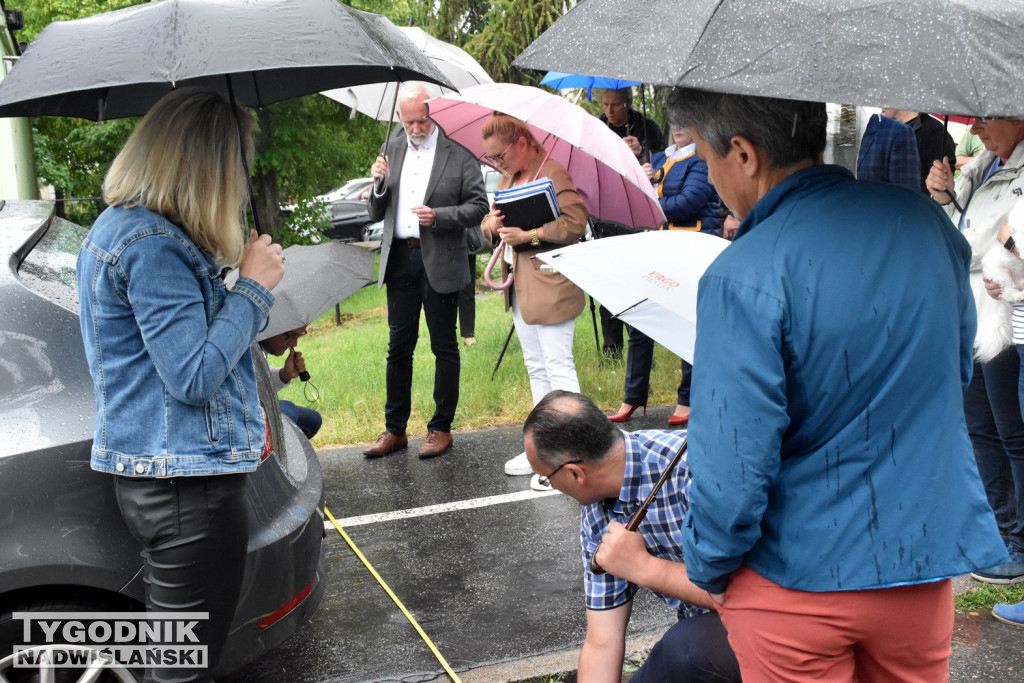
pixel 607 175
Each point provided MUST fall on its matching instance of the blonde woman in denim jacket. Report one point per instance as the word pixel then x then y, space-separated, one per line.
pixel 178 420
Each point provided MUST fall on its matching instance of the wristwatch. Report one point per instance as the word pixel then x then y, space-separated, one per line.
pixel 1009 243
pixel 535 238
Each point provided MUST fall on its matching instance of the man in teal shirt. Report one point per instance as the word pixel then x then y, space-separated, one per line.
pixel 834 486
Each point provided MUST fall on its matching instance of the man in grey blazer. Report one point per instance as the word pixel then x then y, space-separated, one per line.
pixel 433 191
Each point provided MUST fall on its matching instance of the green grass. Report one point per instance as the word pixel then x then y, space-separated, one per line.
pixel 986 595
pixel 347 363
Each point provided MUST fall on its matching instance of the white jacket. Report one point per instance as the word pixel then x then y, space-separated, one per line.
pixel 986 207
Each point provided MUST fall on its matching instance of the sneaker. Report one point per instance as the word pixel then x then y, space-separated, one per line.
pixel 1005 573
pixel 1010 614
pixel 536 485
pixel 518 466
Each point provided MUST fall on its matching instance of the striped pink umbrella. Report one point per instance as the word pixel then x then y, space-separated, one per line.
pixel 607 175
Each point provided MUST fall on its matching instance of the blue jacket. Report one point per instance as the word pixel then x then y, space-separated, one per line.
pixel 888 153
pixel 829 449
pixel 686 196
pixel 168 348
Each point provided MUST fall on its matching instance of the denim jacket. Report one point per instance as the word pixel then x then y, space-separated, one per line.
pixel 168 349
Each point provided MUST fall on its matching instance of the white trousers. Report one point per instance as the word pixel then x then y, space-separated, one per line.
pixel 547 352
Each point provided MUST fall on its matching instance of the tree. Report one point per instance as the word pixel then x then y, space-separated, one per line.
pixel 511 25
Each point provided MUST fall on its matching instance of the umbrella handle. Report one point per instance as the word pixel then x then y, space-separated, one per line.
pixel 490 266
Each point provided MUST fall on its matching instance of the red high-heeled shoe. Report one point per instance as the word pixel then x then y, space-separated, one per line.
pixel 624 417
pixel 679 420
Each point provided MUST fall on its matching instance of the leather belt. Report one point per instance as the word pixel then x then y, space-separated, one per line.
pixel 411 242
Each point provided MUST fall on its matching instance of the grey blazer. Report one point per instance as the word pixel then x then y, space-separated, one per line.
pixel 455 191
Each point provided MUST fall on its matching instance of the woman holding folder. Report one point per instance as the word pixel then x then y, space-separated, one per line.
pixel 544 302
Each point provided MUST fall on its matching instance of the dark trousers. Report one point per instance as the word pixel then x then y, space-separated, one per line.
pixel 639 361
pixel 993 411
pixel 194 532
pixel 611 332
pixel 407 292
pixel 467 303
pixel 695 650
pixel 307 419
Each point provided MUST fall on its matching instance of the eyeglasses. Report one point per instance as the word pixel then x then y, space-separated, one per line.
pixel 500 156
pixel 545 479
pixel 291 334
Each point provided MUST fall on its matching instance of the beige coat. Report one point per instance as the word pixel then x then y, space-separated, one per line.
pixel 546 297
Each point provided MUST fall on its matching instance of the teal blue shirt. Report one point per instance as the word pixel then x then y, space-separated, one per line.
pixel 828 444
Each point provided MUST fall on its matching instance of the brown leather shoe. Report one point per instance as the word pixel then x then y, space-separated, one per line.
pixel 386 444
pixel 435 444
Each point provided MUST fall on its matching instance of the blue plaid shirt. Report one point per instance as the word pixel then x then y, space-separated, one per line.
pixel 648 453
pixel 888 154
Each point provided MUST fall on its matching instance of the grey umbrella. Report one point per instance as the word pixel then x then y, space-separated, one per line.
pixel 315 278
pixel 947 56
pixel 119 63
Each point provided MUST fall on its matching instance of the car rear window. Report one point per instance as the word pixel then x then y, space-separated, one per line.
pixel 49 269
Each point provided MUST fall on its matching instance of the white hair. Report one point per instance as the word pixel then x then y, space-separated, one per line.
pixel 416 91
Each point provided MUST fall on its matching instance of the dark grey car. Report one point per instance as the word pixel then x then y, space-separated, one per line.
pixel 63 545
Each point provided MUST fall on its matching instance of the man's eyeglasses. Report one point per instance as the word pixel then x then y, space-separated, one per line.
pixel 501 155
pixel 545 479
pixel 291 334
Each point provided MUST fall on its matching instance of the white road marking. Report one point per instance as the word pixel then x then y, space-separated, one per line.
pixel 454 506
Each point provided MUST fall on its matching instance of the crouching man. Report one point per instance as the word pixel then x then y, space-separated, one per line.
pixel 571 444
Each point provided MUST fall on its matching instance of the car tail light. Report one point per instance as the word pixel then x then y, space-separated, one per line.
pixel 270 619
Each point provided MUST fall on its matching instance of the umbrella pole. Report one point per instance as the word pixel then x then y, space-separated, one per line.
pixel 503 350
pixel 245 162
pixel 643 124
pixel 945 130
pixel 597 340
pixel 378 186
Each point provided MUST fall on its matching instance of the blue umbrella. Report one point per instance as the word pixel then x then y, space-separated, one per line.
pixel 562 81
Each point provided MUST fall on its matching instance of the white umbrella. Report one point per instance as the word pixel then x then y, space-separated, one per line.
pixel 648 279
pixel 376 100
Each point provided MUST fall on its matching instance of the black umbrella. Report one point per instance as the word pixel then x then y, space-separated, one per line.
pixel 949 56
pixel 318 276
pixel 119 63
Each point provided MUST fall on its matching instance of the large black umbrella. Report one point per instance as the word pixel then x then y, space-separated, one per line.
pixel 119 63
pixel 947 56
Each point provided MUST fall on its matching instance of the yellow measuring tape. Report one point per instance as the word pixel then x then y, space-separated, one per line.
pixel 394 597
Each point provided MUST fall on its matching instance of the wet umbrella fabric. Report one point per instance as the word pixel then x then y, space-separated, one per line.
pixel 604 170
pixel 947 56
pixel 120 63
pixel 557 80
pixel 376 100
pixel 649 280
pixel 316 277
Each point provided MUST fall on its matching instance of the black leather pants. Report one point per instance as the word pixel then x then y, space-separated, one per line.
pixel 194 532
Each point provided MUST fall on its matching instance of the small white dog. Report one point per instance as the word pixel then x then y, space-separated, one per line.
pixel 1002 266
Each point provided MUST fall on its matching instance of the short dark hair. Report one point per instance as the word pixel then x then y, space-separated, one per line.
pixel 789 131
pixel 626 94
pixel 566 426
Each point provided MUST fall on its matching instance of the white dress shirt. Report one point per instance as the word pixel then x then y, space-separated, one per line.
pixel 412 186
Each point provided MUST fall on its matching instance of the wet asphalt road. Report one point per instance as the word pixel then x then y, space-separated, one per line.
pixel 496 587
